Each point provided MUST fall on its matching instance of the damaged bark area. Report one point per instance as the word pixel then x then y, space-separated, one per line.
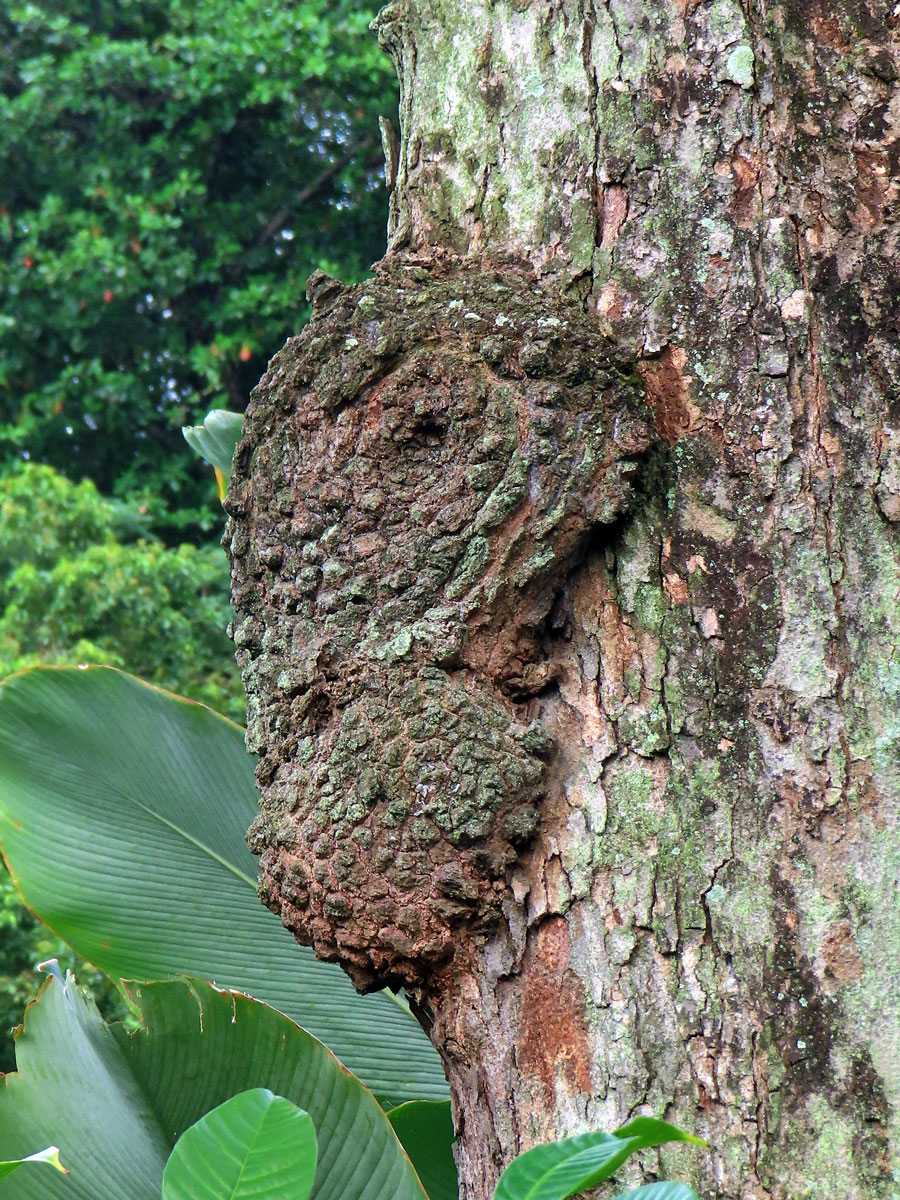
pixel 419 471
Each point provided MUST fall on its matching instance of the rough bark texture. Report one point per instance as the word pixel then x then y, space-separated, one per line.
pixel 441 459
pixel 588 506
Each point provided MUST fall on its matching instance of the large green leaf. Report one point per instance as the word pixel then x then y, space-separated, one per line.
pixel 560 1169
pixel 117 1102
pixel 122 818
pixel 425 1129
pixel 255 1146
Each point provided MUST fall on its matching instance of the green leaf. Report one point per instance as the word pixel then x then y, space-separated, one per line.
pixel 425 1129
pixel 559 1169
pixel 659 1191
pixel 649 1131
pixel 255 1146
pixel 122 818
pixel 216 440
pixel 73 1088
pixel 117 1102
pixel 50 1155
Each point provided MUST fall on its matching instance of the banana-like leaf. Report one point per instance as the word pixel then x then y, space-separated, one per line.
pixel 122 818
pixel 255 1146
pixel 663 1190
pixel 50 1155
pixel 215 440
pixel 560 1169
pixel 116 1102
pixel 425 1129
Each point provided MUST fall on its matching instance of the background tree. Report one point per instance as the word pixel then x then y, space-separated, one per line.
pixel 76 587
pixel 566 556
pixel 170 173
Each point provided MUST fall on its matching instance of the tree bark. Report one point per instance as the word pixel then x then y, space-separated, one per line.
pixel 566 568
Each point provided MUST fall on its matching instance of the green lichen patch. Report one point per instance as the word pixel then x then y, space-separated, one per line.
pixel 739 66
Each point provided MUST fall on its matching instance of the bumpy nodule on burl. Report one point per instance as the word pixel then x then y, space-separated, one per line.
pixel 419 469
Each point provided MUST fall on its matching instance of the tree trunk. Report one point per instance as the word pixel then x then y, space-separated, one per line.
pixel 566 565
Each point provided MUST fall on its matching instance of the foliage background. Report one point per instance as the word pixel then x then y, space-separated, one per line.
pixel 171 171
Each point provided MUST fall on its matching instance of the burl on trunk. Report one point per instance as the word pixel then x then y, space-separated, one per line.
pixel 566 568
pixel 420 471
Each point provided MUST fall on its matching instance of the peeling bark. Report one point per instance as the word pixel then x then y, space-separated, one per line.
pixel 604 464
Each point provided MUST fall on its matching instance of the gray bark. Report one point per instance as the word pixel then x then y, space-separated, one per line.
pixel 587 511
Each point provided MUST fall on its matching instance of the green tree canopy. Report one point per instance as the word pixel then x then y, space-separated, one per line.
pixel 77 585
pixel 172 172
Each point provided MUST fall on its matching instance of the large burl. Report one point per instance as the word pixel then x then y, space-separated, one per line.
pixel 419 470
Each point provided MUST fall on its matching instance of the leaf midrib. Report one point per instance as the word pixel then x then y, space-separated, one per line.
pixel 194 841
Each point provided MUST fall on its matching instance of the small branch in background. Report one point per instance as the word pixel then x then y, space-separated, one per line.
pixel 307 193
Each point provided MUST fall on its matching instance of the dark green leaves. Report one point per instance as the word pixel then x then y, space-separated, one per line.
pixel 560 1169
pixel 255 1146
pixel 425 1130
pixel 117 1102
pixel 172 172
